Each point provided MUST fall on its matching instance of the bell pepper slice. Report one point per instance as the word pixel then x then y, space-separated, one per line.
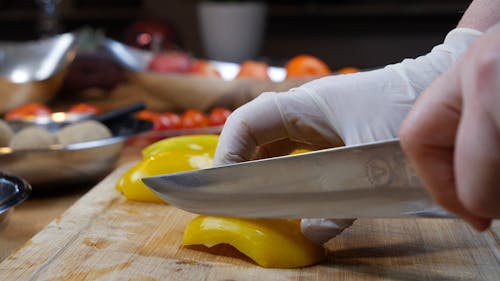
pixel 131 185
pixel 275 243
pixel 270 243
pixel 191 142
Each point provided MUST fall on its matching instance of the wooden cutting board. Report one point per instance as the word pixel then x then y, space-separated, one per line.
pixel 105 237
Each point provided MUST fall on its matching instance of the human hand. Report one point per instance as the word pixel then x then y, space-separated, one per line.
pixel 335 110
pixel 452 135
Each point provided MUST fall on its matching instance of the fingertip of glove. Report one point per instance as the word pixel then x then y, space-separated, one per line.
pixel 227 159
pixel 321 231
pixel 465 30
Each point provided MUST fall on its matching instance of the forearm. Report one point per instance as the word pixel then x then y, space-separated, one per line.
pixel 481 15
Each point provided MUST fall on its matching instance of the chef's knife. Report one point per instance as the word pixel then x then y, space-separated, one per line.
pixel 363 181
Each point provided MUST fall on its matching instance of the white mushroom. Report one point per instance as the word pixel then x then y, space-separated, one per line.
pixel 83 131
pixel 6 133
pixel 32 137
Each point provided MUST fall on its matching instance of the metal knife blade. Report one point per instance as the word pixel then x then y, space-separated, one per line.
pixel 363 181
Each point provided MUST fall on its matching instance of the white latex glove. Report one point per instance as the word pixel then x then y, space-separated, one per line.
pixel 335 110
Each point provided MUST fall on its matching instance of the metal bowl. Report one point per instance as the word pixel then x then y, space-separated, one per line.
pixel 13 191
pixel 181 91
pixel 135 59
pixel 33 71
pixel 14 95
pixel 61 166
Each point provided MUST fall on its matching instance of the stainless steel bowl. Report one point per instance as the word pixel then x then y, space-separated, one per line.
pixel 60 166
pixel 13 95
pixel 63 165
pixel 135 59
pixel 13 191
pixel 33 71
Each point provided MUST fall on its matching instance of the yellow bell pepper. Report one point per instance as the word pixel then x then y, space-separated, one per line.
pixel 131 185
pixel 191 142
pixel 192 152
pixel 270 243
pixel 275 243
pixel 299 151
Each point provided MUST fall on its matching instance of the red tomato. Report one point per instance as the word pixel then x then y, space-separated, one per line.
pixel 146 115
pixel 150 116
pixel 204 68
pixel 164 123
pixel 161 121
pixel 173 61
pixel 253 70
pixel 159 124
pixel 218 116
pixel 348 70
pixel 305 66
pixel 30 109
pixel 84 108
pixel 193 118
pixel 174 120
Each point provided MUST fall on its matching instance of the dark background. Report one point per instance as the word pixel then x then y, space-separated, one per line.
pixel 362 33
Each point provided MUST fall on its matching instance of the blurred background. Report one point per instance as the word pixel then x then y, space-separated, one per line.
pixel 362 33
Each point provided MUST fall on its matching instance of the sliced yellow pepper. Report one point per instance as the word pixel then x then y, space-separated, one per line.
pixel 192 152
pixel 270 243
pixel 275 243
pixel 299 151
pixel 131 185
pixel 191 142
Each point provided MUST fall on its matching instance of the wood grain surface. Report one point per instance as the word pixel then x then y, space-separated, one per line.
pixel 105 237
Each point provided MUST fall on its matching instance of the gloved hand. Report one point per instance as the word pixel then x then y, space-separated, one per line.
pixel 335 110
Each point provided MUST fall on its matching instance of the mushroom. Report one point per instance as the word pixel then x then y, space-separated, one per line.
pixel 83 131
pixel 31 138
pixel 6 133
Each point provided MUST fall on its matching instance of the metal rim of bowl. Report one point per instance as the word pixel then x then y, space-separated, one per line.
pixel 69 147
pixel 22 190
pixel 88 163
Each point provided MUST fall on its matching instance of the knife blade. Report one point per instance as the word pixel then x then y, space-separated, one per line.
pixel 364 181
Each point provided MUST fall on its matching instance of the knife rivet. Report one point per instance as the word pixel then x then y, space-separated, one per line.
pixel 379 172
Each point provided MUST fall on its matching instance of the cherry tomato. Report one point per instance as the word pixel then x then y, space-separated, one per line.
pixel 348 70
pixel 174 120
pixel 154 118
pixel 253 70
pixel 204 68
pixel 150 116
pixel 30 109
pixel 305 66
pixel 218 116
pixel 84 108
pixel 193 118
pixel 173 61
pixel 161 121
